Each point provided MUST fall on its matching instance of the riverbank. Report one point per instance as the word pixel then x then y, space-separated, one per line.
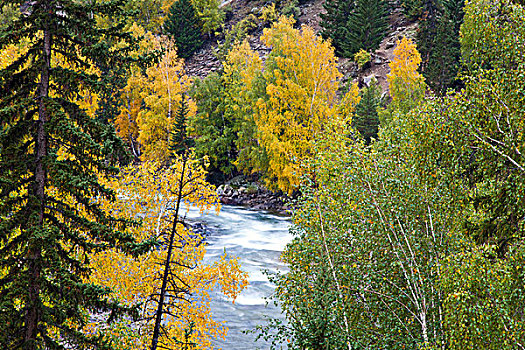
pixel 252 194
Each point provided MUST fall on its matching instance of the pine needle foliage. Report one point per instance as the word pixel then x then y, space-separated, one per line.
pixel 183 26
pixel 366 27
pixel 438 42
pixel 51 152
pixel 334 21
pixel 180 143
pixel 355 25
pixel 366 119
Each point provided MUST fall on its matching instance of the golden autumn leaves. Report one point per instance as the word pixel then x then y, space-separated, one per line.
pixel 282 106
pixel 146 193
pixel 298 105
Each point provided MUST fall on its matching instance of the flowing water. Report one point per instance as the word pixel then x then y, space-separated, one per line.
pixel 258 239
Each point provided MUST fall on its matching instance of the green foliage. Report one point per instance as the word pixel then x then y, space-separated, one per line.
pixel 8 13
pixel 210 15
pixel 366 27
pixel 361 57
pixel 147 13
pixel 290 8
pixel 492 35
pixel 370 231
pixel 180 143
pixel 366 119
pixel 412 8
pixel 236 35
pixel 438 43
pixel 334 21
pixel 51 152
pixel 417 240
pixel 213 127
pixel 490 154
pixel 183 26
pixel 355 25
pixel 483 296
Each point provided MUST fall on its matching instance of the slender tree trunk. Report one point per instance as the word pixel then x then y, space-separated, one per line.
pixel 32 317
pixel 158 315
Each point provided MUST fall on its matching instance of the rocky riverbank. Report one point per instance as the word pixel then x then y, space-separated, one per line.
pixel 252 194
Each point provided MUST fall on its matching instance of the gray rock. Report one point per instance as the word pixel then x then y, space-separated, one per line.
pixel 367 80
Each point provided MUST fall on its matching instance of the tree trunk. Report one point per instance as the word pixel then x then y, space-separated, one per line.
pixel 158 315
pixel 32 317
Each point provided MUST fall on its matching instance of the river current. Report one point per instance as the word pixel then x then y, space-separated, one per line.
pixel 257 238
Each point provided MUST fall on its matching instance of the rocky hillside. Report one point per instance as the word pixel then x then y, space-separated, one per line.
pixel 204 62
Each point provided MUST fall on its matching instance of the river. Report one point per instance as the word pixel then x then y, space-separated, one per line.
pixel 258 239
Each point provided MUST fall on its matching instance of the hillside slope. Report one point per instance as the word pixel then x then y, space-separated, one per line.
pixel 204 61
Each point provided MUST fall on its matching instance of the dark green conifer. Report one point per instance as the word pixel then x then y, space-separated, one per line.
pixel 412 8
pixel 45 238
pixel 366 119
pixel 366 26
pixel 334 22
pixel 355 24
pixel 183 26
pixel 180 143
pixel 438 43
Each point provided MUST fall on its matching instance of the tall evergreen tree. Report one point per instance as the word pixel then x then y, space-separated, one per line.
pixel 366 119
pixel 438 42
pixel 180 143
pixel 355 24
pixel 412 8
pixel 50 153
pixel 334 22
pixel 366 26
pixel 183 25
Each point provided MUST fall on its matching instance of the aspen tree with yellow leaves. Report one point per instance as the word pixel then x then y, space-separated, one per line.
pixel 147 192
pixel 162 89
pixel 300 100
pixel 406 84
pixel 171 282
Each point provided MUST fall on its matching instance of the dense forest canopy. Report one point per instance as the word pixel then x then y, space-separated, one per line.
pixel 408 195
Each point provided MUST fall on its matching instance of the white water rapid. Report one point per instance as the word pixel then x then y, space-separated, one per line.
pixel 258 239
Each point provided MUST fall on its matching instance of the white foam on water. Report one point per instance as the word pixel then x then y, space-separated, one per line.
pixel 257 239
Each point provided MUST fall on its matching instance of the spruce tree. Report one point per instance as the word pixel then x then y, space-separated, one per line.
pixel 180 143
pixel 438 43
pixel 334 22
pixel 183 26
pixel 366 119
pixel 366 27
pixel 50 153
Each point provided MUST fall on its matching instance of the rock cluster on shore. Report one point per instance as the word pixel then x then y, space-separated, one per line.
pixel 240 191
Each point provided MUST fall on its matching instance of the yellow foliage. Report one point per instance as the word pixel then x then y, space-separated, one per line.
pixel 300 99
pixel 268 13
pixel 162 91
pixel 147 193
pixel 405 83
pixel 132 94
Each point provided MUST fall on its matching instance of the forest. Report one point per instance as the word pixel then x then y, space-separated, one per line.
pixel 406 189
